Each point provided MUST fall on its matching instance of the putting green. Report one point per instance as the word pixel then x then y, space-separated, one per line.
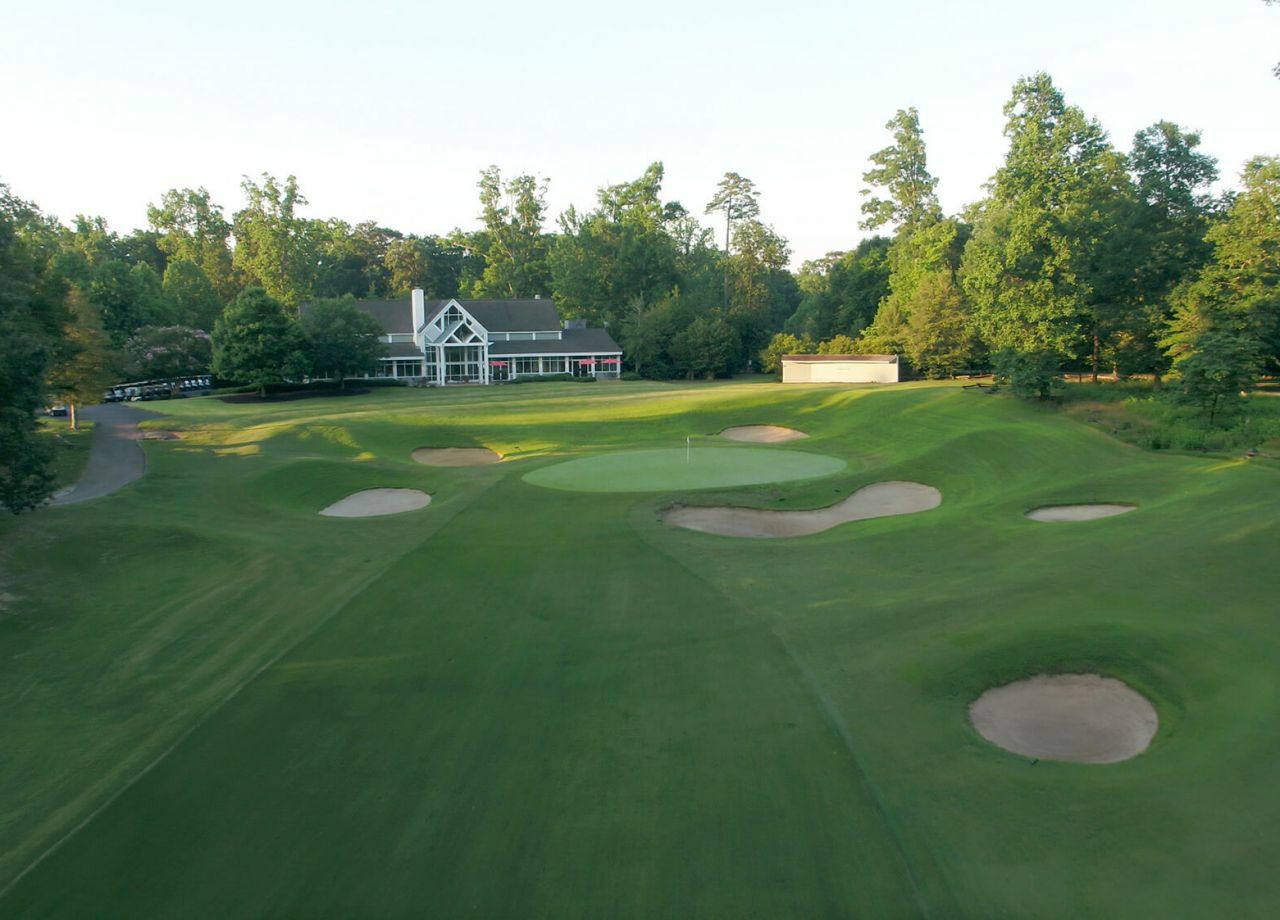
pixel 680 469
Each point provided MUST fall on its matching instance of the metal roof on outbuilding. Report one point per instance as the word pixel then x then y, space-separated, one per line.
pixel 883 359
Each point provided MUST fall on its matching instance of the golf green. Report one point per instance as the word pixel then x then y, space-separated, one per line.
pixel 678 469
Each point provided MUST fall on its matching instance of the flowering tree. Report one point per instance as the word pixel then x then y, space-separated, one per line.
pixel 167 351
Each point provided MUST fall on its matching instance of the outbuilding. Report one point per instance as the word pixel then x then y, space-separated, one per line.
pixel 839 368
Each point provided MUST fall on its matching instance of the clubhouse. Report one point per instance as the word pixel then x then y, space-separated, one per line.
pixel 487 341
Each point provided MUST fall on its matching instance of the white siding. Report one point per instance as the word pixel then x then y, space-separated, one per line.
pixel 839 371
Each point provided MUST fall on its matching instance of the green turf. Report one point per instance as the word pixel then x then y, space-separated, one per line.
pixel 683 468
pixel 70 448
pixel 531 702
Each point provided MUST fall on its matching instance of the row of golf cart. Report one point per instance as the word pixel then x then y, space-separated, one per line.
pixel 147 390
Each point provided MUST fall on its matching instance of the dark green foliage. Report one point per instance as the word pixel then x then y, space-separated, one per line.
pixel 129 298
pixel 1218 368
pixel 1028 268
pixel 1027 373
pixel 194 299
pixel 707 347
pixel 616 254
pixel 33 318
pixel 255 341
pixel 342 340
pixel 841 292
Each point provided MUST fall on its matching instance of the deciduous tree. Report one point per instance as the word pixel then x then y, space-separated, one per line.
pixel 513 212
pixel 255 341
pixel 342 340
pixel 275 248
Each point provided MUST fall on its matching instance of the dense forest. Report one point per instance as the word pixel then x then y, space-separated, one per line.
pixel 1082 258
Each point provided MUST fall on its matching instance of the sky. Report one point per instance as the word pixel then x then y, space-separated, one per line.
pixel 387 111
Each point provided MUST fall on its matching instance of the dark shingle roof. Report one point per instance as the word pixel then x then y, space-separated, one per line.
pixel 394 316
pixel 575 342
pixel 403 350
pixel 514 315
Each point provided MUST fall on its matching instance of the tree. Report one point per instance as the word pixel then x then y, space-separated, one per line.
pixel 1226 329
pixel 342 339
pixel 736 197
pixel 88 365
pixel 902 171
pixel 705 348
pixel 923 263
pixel 616 253
pixel 513 213
pixel 275 248
pixel 194 299
pixel 167 352
pixel 647 331
pixel 838 345
pixel 783 343
pixel 938 339
pixel 1166 242
pixel 32 316
pixel 763 293
pixel 192 229
pixel 1215 369
pixel 1026 268
pixel 256 342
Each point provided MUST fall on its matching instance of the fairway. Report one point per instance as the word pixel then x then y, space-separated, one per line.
pixel 536 701
pixel 682 469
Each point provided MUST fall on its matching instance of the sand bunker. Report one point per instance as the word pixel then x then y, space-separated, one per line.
pixel 377 502
pixel 880 499
pixel 156 434
pixel 1059 513
pixel 762 434
pixel 1078 718
pixel 456 456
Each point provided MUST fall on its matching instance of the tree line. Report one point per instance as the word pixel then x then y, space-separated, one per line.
pixel 1080 257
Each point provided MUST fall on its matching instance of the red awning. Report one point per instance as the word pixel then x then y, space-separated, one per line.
pixel 609 361
pixel 586 362
pixel 497 363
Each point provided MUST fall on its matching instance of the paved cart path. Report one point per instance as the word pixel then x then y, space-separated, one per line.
pixel 115 459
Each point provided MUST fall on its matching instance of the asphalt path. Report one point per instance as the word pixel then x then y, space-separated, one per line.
pixel 115 456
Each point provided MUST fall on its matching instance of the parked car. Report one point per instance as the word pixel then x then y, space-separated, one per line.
pixel 57 411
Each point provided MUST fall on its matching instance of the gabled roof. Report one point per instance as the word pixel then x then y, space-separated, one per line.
pixel 573 342
pixel 396 316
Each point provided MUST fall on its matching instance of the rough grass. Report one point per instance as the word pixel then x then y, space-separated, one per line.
pixel 537 703
pixel 70 448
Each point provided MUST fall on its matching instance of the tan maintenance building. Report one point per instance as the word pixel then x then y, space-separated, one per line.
pixel 839 368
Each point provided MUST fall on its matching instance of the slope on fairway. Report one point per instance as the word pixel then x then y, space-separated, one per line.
pixel 565 727
pixel 557 705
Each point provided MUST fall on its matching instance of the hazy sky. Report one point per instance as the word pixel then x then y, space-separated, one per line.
pixel 387 111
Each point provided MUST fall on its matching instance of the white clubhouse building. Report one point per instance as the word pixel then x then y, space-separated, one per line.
pixel 487 341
